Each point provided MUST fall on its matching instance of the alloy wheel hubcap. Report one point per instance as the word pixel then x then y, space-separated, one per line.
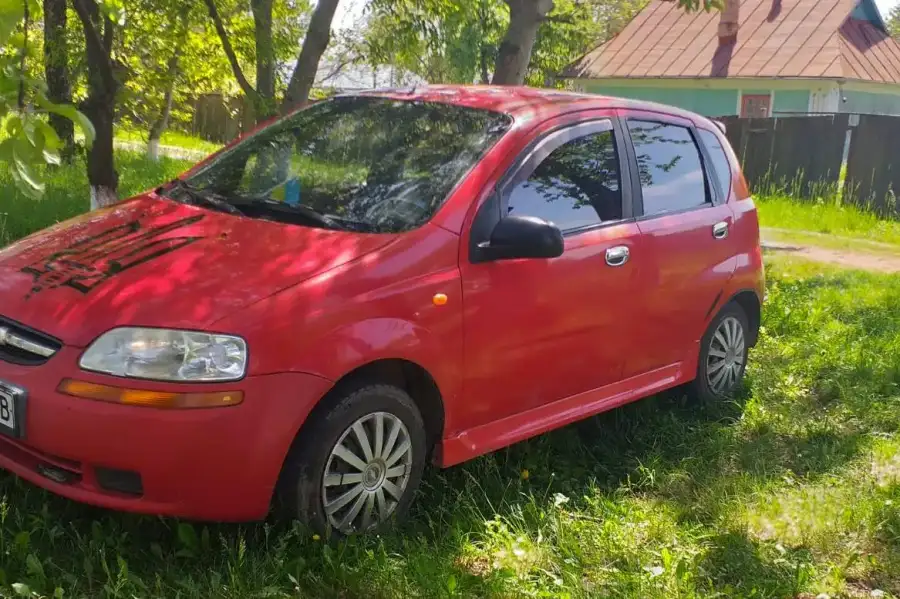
pixel 367 473
pixel 725 359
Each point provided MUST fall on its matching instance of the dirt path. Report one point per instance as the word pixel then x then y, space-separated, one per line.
pixel 877 262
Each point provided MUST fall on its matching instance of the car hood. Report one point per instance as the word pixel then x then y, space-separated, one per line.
pixel 152 262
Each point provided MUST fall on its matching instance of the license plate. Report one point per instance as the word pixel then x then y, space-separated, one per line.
pixel 12 409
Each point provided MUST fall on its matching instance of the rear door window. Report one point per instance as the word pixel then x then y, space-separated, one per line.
pixel 669 166
pixel 719 161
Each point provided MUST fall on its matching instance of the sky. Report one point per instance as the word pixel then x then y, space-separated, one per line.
pixel 885 6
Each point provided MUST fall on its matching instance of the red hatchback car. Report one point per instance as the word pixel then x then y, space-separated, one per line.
pixel 370 283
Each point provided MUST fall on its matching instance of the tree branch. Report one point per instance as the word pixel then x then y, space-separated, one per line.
pixel 229 51
pixel 95 46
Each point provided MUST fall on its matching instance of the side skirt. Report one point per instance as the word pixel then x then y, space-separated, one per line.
pixel 489 437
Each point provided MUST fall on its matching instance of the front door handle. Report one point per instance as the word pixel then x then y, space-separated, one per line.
pixel 720 230
pixel 618 255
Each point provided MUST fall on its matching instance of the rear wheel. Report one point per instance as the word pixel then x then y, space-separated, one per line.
pixel 723 355
pixel 356 466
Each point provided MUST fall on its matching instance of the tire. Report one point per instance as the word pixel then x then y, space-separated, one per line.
pixel 367 484
pixel 723 356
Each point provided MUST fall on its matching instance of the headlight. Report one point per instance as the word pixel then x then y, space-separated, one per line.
pixel 165 355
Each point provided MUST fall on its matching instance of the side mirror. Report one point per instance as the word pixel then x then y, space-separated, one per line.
pixel 523 237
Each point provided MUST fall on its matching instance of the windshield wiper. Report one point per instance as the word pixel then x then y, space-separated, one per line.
pixel 202 197
pixel 280 207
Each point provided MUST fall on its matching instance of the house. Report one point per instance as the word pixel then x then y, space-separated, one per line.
pixel 756 58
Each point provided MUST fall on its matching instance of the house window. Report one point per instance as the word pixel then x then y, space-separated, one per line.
pixel 755 105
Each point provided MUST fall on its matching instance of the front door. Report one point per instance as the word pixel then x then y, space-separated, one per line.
pixel 755 106
pixel 539 330
pixel 686 225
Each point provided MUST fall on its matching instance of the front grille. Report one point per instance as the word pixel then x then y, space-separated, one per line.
pixel 25 346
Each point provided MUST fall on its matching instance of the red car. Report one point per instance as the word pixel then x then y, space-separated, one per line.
pixel 374 282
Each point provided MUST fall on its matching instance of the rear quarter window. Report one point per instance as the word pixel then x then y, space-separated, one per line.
pixel 719 161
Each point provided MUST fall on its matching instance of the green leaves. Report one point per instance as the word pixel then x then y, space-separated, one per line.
pixel 27 141
pixel 893 22
pixel 114 10
pixel 70 112
pixel 707 5
pixel 11 14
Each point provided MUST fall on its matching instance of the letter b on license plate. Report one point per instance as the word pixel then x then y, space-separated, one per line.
pixel 10 404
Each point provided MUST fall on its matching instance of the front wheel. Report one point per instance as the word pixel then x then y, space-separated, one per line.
pixel 723 355
pixel 356 466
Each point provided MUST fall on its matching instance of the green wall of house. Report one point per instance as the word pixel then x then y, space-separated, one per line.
pixel 708 102
pixel 791 100
pixel 870 103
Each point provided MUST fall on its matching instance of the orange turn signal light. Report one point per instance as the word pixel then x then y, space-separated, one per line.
pixel 439 299
pixel 150 399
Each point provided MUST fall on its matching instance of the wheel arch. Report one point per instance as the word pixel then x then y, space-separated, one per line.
pixel 405 374
pixel 749 302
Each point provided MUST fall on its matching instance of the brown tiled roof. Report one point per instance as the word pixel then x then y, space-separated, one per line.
pixel 776 38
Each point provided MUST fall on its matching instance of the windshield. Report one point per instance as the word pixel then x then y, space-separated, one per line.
pixel 360 163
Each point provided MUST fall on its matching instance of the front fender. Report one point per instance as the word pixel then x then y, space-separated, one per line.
pixel 355 345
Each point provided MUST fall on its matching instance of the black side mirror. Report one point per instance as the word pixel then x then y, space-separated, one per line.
pixel 522 237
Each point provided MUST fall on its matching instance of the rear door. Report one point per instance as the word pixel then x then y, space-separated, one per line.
pixel 685 224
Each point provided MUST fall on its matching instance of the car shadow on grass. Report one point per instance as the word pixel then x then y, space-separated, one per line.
pixel 690 457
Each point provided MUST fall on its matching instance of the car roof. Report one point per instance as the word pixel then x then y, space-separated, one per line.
pixel 523 102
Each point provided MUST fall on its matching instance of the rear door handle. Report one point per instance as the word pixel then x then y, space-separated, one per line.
pixel 720 230
pixel 618 255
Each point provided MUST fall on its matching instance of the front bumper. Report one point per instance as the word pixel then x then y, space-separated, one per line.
pixel 206 464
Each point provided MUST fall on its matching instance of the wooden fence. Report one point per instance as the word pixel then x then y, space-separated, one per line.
pixel 873 164
pixel 804 156
pixel 221 119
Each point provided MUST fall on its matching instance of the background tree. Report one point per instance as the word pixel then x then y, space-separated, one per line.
pixel 440 41
pixel 525 19
pixel 316 41
pixel 153 45
pixel 893 22
pixel 27 140
pixel 270 48
pixel 180 27
pixel 56 71
pixel 450 41
pixel 99 27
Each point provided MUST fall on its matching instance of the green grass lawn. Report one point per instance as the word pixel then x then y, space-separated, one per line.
pixel 170 137
pixel 791 490
pixel 68 194
pixel 829 217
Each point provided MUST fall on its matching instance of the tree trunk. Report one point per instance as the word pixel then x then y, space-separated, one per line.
pixel 162 120
pixel 728 21
pixel 525 17
pixel 482 50
pixel 100 104
pixel 102 175
pixel 252 96
pixel 265 57
pixel 317 37
pixel 56 71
